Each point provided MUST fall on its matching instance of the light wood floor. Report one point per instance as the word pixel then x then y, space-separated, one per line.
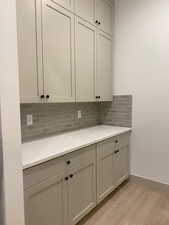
pixel 132 204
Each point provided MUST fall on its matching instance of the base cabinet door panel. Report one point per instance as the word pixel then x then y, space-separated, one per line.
pixel 82 189
pixel 105 169
pixel 58 53
pixel 44 203
pixel 81 194
pixel 104 67
pixel 121 163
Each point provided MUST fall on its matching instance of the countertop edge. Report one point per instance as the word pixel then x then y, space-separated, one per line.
pixel 28 166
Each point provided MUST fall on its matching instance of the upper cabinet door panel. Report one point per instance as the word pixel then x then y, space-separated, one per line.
pixel 58 53
pixel 85 61
pixel 85 9
pixel 68 4
pixel 28 74
pixel 104 67
pixel 103 14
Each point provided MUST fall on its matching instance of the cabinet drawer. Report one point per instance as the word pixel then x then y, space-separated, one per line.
pixel 105 148
pixel 80 159
pixel 37 174
pixel 122 140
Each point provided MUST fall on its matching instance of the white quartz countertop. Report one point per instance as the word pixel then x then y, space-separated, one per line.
pixel 39 151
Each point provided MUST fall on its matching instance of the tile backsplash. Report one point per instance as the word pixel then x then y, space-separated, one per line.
pixel 118 112
pixel 51 119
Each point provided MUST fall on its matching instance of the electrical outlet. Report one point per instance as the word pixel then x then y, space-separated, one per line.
pixel 29 120
pixel 79 114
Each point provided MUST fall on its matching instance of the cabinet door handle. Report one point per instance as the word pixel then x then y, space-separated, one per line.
pixel 68 162
pixel 42 96
pixel 71 175
pixel 48 96
pixel 117 151
pixel 98 97
pixel 97 22
pixel 66 178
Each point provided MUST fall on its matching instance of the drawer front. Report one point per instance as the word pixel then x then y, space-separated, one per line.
pixel 39 173
pixel 122 140
pixel 80 159
pixel 105 148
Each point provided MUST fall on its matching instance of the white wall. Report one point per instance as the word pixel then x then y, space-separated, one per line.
pixel 141 68
pixel 10 118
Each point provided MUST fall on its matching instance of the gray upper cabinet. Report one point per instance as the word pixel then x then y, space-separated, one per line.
pixel 85 9
pixel 58 53
pixel 62 56
pixel 103 15
pixel 97 12
pixel 68 4
pixel 30 83
pixel 85 61
pixel 104 67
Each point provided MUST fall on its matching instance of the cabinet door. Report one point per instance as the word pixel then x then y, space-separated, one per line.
pixel 104 67
pixel 121 164
pixel 85 61
pixel 30 82
pixel 68 4
pixel 105 169
pixel 85 9
pixel 58 53
pixel 44 203
pixel 103 14
pixel 81 192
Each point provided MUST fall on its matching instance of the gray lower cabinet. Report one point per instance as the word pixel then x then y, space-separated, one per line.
pixel 62 191
pixel 105 168
pixel 112 164
pixel 81 192
pixel 44 203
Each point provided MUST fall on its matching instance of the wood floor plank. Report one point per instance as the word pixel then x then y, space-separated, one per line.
pixel 132 204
